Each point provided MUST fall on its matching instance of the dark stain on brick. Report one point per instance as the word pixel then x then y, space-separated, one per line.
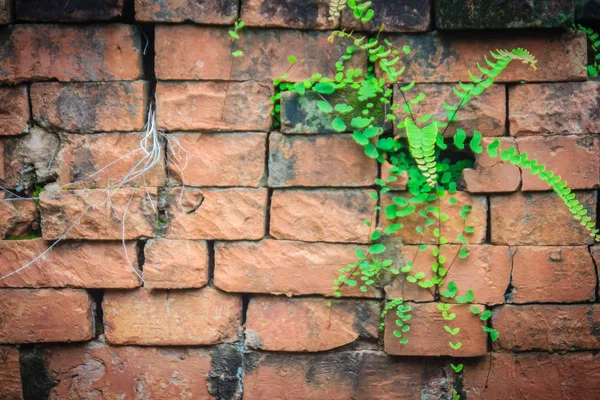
pixel 594 324
pixel 37 383
pixel 295 13
pixel 334 367
pixel 68 10
pixel 281 169
pixel 224 377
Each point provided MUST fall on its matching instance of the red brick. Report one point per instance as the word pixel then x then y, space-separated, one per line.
pixel 222 214
pixel 343 375
pixel 309 161
pixel 100 221
pixel 322 215
pixel 554 109
pixel 114 154
pixel 69 264
pixel 14 110
pixel 45 315
pixel 225 160
pixel 450 229
pixel 574 158
pixel 91 106
pixel 175 264
pixel 308 324
pixel 179 317
pixel 401 180
pixel 17 218
pixel 205 12
pixel 178 56
pixel 486 271
pixel 427 336
pixel 392 16
pixel 70 53
pixel 492 175
pixel 485 113
pixel 51 11
pixel 97 369
pixel 423 260
pixel 6 11
pixel 283 267
pixel 313 14
pixel 553 274
pixel 533 376
pixel 547 327
pixel 561 55
pixel 538 219
pixel 247 106
pixel 10 374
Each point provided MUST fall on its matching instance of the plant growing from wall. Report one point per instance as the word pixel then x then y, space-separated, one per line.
pixel 594 42
pixel 417 151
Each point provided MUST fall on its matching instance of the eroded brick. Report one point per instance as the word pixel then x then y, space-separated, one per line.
pixel 547 327
pixel 91 106
pixel 313 327
pixel 311 14
pixel 175 264
pixel 10 374
pixel 69 264
pixel 14 110
pixel 222 214
pixel 393 16
pixel 222 12
pixel 538 219
pixel 75 11
pixel 6 13
pixel 554 109
pixel 226 106
pixel 17 218
pixel 310 161
pixel 70 53
pixel 225 159
pixel 283 267
pixel 45 315
pixel 178 317
pixel 322 215
pixel 492 175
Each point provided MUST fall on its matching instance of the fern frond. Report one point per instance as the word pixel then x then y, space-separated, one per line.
pixel 519 54
pixel 422 143
pixel 335 8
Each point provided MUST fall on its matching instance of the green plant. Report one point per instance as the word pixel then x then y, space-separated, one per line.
pixel 416 152
pixel 594 40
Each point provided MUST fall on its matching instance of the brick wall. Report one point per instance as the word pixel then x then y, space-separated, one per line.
pixel 240 262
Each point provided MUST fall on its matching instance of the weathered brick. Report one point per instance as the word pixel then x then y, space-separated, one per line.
pixel 483 14
pixel 225 160
pixel 449 229
pixel 179 317
pixel 574 158
pixel 427 336
pixel 553 274
pixel 69 264
pixel 45 315
pixel 547 327
pixel 175 264
pixel 393 16
pixel 10 374
pixel 283 267
pixel 70 53
pixel 301 114
pixel 398 287
pixel 28 159
pixel 554 109
pixel 538 219
pixel 91 106
pixel 486 271
pixel 226 106
pixel 14 110
pixel 222 12
pixel 99 212
pixel 343 375
pixel 6 13
pixel 95 368
pixel 322 215
pixel 313 327
pixel 113 154
pixel 533 376
pixel 492 175
pixel 73 11
pixel 401 180
pixel 222 214
pixel 446 57
pixel 328 160
pixel 587 11
pixel 178 56
pixel 311 14
pixel 17 218
pixel 485 113
pixel 595 251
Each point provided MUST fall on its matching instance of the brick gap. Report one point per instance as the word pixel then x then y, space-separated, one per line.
pixel 268 213
pixel 508 294
pixel 141 255
pixel 210 246
pixel 97 311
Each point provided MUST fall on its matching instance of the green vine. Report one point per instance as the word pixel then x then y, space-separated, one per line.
pixel 594 40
